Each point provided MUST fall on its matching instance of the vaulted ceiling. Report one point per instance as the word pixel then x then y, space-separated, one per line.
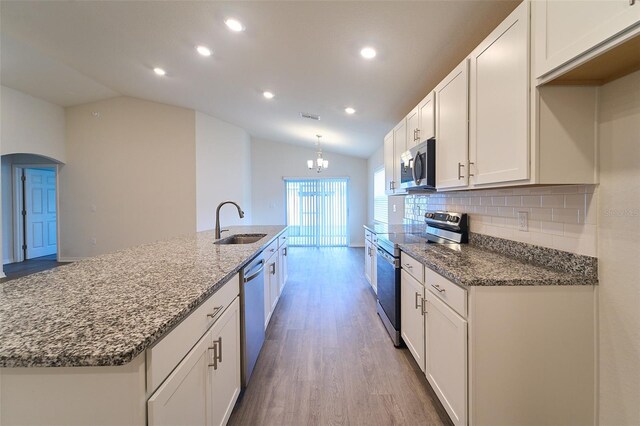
pixel 305 52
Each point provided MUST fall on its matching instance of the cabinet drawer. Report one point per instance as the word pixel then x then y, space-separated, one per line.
pixel 165 355
pixel 412 266
pixel 282 239
pixel 451 294
pixel 271 249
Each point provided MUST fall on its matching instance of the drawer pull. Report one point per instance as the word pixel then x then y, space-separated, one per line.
pixel 437 287
pixel 215 312
pixel 408 266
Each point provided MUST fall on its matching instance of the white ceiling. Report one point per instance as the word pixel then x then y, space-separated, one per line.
pixel 306 52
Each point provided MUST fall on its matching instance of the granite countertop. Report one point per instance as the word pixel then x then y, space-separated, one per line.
pixel 492 261
pixel 471 265
pixel 108 309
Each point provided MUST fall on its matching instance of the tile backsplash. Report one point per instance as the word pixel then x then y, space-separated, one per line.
pixel 559 217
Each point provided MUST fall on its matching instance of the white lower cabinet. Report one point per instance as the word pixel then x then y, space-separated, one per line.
pixel 370 257
pixel 412 317
pixel 204 387
pixel 271 281
pixel 225 372
pixel 446 357
pixel 284 271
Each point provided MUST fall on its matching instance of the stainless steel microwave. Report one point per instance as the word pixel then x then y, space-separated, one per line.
pixel 418 166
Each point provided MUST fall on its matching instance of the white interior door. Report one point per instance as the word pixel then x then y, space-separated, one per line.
pixel 40 206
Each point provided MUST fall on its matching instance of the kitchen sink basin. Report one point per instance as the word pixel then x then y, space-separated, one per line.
pixel 241 239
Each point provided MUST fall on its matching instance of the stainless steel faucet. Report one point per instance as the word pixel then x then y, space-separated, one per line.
pixel 240 213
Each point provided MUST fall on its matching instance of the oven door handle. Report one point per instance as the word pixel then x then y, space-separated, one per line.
pixel 388 257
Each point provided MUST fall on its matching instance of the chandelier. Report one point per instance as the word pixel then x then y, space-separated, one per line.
pixel 319 163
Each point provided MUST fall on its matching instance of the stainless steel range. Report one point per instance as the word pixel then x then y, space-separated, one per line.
pixel 441 228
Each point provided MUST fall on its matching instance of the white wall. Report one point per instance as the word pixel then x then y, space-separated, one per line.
pixel 373 163
pixel 619 251
pixel 31 125
pixel 130 176
pixel 223 172
pixel 271 161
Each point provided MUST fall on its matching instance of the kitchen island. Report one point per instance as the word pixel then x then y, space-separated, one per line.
pixel 103 314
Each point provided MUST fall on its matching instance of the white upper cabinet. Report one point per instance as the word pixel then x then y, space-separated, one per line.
pixel 388 163
pixel 400 146
pixel 452 136
pixel 421 121
pixel 499 99
pixel 413 128
pixel 564 30
pixel 395 143
pixel 427 117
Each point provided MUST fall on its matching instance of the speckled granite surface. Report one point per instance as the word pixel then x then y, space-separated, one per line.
pixel 108 309
pixel 471 265
pixel 543 256
pixel 491 261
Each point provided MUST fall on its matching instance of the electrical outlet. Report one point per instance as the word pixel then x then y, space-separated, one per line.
pixel 394 208
pixel 523 221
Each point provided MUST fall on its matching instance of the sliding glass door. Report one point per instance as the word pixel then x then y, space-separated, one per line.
pixel 317 212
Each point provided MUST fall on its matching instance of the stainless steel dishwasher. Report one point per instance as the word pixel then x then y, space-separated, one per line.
pixel 251 315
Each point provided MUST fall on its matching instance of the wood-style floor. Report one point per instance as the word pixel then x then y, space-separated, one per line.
pixel 31 266
pixel 327 359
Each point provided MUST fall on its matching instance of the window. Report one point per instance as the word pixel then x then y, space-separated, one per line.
pixel 317 213
pixel 380 204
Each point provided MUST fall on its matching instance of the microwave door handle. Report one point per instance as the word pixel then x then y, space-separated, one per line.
pixel 417 165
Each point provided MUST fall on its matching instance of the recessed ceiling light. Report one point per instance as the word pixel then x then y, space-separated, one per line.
pixel 349 110
pixel 268 95
pixel 204 50
pixel 159 71
pixel 234 24
pixel 368 52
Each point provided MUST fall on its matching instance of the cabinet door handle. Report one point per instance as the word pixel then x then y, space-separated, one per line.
pixel 470 164
pixel 632 2
pixel 460 166
pixel 215 312
pixel 437 287
pixel 418 134
pixel 418 301
pixel 284 251
pixel 424 306
pixel 272 268
pixel 217 353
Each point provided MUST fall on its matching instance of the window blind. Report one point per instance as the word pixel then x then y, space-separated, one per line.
pixel 317 213
pixel 380 203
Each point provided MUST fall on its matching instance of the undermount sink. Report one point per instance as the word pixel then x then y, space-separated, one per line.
pixel 241 239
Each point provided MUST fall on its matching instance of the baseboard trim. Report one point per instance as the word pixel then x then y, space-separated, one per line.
pixel 71 259
pixel 5 261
